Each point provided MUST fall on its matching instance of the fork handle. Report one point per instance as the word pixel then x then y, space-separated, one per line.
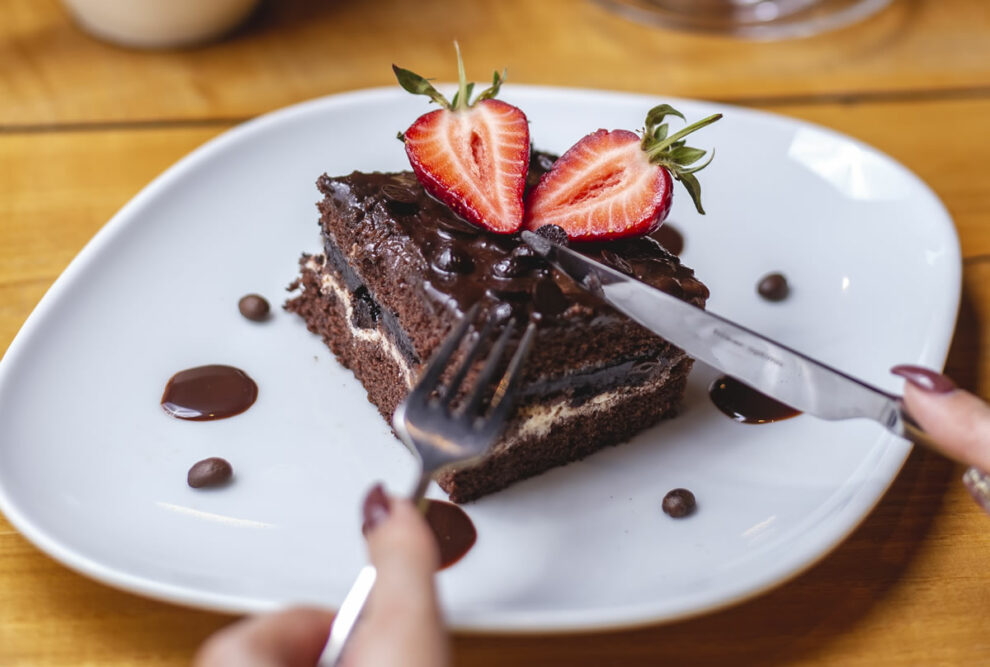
pixel 418 496
pixel 347 616
pixel 350 609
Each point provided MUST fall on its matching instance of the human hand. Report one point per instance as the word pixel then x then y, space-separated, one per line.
pixel 401 624
pixel 957 421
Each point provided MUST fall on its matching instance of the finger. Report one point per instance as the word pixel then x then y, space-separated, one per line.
pixel 956 420
pixel 291 638
pixel 400 542
pixel 402 624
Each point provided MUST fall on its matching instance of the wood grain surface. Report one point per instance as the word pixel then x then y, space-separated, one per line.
pixel 85 125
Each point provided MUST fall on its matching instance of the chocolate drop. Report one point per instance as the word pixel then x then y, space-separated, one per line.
pixel 254 307
pixel 678 503
pixel 210 472
pixel 773 287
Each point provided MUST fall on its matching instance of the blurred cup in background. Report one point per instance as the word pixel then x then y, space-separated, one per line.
pixel 159 24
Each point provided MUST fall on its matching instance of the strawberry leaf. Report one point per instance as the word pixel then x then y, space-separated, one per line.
pixel 693 187
pixel 656 115
pixel 418 85
pixel 492 91
pixel 672 152
pixel 701 166
pixel 685 155
pixel 652 136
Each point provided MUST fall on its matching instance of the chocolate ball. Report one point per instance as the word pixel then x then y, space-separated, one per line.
pixel 773 287
pixel 210 472
pixel 254 307
pixel 678 503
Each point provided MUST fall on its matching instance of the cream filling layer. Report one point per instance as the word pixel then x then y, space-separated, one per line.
pixel 329 284
pixel 537 420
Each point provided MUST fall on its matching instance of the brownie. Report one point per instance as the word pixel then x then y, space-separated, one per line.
pixel 399 269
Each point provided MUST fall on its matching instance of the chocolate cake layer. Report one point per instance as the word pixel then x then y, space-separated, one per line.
pixel 399 270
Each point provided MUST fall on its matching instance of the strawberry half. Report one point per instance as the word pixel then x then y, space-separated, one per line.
pixel 472 156
pixel 615 184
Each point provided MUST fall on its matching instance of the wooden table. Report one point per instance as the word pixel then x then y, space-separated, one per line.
pixel 84 125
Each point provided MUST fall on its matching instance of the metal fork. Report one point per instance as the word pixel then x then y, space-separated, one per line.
pixel 442 434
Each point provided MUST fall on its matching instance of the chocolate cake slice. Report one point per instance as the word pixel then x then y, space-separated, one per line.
pixel 398 270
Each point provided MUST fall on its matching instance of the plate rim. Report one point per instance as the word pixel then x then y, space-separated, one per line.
pixel 860 504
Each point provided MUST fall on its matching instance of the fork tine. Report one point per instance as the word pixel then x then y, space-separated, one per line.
pixel 505 393
pixel 431 376
pixel 503 397
pixel 488 372
pixel 455 383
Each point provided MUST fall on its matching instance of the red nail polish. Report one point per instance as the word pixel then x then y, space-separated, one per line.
pixel 924 379
pixel 376 508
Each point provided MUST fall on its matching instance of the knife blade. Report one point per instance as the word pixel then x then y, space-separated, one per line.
pixel 771 368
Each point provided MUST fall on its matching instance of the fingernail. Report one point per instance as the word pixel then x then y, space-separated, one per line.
pixel 924 379
pixel 376 508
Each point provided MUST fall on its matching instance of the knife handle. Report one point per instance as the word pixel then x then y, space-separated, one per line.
pixel 903 424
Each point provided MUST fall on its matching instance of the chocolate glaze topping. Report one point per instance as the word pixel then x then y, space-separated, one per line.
pixel 458 264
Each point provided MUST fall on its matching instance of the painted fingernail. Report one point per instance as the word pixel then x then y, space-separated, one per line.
pixel 376 508
pixel 924 379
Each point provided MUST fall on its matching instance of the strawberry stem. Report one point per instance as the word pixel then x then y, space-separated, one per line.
pixel 418 85
pixel 671 153
pixel 461 98
pixel 658 148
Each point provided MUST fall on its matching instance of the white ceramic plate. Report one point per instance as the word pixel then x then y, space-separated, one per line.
pixel 93 471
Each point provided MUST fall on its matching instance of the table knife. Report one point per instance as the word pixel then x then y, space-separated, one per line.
pixel 767 366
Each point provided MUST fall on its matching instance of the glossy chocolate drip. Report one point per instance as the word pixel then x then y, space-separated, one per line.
pixel 210 392
pixel 455 264
pixel 745 404
pixel 453 529
pixel 670 238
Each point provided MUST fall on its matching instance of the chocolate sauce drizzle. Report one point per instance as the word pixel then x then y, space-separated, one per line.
pixel 745 404
pixel 209 392
pixel 453 529
pixel 670 238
